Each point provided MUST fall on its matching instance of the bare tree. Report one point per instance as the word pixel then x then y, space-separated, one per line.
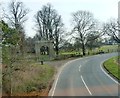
pixel 0 11
pixel 17 16
pixel 94 42
pixel 58 32
pixel 84 26
pixel 112 28
pixel 49 25
pixel 44 21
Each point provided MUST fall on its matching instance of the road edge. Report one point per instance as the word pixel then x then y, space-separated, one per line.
pixel 51 92
pixel 107 73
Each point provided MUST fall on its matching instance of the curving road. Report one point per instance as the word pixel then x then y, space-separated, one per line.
pixel 85 77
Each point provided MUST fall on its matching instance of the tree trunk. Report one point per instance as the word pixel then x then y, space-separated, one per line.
pixel 22 44
pixel 83 49
pixel 57 51
pixel 56 48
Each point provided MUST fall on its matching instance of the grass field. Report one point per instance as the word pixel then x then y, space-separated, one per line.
pixel 109 47
pixel 72 52
pixel 105 48
pixel 112 66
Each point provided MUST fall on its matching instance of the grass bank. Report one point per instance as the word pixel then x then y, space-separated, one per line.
pixel 29 79
pixel 113 67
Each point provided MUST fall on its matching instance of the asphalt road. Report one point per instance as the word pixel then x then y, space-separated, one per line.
pixel 85 77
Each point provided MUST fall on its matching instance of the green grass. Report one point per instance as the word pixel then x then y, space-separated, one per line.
pixel 112 66
pixel 0 68
pixel 104 48
pixel 71 52
pixel 45 58
pixel 41 80
pixel 109 47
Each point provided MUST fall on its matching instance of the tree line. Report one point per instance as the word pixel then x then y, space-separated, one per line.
pixel 49 26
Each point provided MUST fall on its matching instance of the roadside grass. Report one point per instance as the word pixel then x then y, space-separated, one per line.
pixel 71 52
pixel 0 71
pixel 27 77
pixel 113 67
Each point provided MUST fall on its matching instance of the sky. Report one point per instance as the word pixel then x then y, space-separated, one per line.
pixel 103 10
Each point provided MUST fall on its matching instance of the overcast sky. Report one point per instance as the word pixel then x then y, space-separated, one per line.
pixel 103 10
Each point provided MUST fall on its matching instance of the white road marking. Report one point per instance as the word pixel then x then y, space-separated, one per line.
pixel 79 67
pixel 107 73
pixel 52 91
pixel 86 85
pixel 55 84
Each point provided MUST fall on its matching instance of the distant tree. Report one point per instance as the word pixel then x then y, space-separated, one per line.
pixel 112 28
pixel 0 10
pixel 84 26
pixel 77 44
pixel 112 41
pixel 67 46
pixel 49 25
pixel 94 40
pixel 30 44
pixel 58 33
pixel 92 44
pixel 17 16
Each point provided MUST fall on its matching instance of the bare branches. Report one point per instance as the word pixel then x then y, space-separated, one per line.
pixel 112 29
pixel 84 24
pixel 49 25
pixel 17 14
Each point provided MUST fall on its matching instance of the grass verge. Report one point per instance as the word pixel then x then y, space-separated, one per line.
pixel 30 79
pixel 113 67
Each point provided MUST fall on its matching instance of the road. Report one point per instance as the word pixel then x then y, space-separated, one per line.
pixel 85 77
